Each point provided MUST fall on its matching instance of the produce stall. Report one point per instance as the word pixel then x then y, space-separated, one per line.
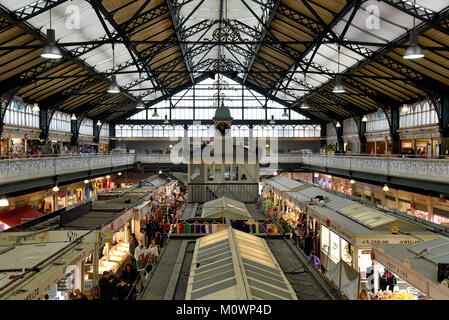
pixel 416 269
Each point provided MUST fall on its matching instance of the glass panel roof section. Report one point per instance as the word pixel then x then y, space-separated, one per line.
pixel 234 265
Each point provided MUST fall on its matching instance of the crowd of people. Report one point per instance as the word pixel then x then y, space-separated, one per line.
pixel 144 252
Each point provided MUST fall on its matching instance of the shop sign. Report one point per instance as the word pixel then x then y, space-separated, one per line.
pixel 346 235
pixel 105 237
pixel 119 222
pixel 393 240
pixel 11 237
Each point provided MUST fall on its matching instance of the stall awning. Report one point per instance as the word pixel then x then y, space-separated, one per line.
pixel 17 216
pixel 225 207
pixel 284 184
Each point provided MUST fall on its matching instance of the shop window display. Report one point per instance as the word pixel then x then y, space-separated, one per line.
pixel 325 239
pixel 334 247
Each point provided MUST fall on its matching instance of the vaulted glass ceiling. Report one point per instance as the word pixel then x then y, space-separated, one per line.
pixel 285 50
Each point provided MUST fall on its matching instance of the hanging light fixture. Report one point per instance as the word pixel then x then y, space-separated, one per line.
pixel 160 171
pixel 73 117
pixel 267 145
pixel 155 115
pixel 405 109
pixel 414 51
pixel 140 104
pixel 386 188
pixel 170 146
pixel 51 51
pixel 55 188
pixel 338 125
pixel 305 106
pixel 4 202
pixel 352 181
pixel 119 173
pixel 285 114
pixel 98 123
pixel 275 173
pixel 316 175
pixel 166 120
pixel 113 87
pixel 86 181
pixel 365 118
pixel 272 122
pixel 36 107
pixel 338 86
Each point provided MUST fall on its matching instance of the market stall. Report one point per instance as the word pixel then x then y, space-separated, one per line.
pixel 12 218
pixel 416 269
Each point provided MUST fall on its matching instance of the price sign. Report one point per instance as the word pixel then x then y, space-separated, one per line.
pixel 105 237
pixel 394 229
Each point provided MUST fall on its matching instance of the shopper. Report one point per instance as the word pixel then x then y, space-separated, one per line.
pixel 69 295
pixel 79 295
pixel 108 284
pixel 308 244
pixel 46 297
pixel 129 276
pixel 133 244
pixel 123 289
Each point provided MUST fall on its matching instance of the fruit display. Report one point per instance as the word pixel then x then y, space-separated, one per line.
pixel 388 295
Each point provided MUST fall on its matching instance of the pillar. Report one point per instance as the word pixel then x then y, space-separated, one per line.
pixel 394 126
pixel 323 142
pixel 443 125
pixel 95 260
pixel 429 208
pixel 112 141
pixel 340 140
pixel 362 137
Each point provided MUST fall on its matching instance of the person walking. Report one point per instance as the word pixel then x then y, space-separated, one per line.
pixel 108 286
pixel 308 244
pixel 133 244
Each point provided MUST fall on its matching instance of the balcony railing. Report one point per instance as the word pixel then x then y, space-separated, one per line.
pixel 424 169
pixel 12 170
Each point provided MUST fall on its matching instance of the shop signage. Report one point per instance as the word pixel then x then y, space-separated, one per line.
pixel 11 237
pixel 406 241
pixel 118 222
pixel 105 237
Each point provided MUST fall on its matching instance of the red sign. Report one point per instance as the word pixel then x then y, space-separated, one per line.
pixel 112 226
pixel 328 223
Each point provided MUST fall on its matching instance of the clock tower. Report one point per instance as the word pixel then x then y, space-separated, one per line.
pixel 222 121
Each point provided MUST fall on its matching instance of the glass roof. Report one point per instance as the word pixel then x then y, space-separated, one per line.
pixel 234 265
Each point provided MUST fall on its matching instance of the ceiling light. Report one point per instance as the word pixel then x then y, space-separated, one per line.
pixel 338 87
pixel 140 105
pixel 272 122
pixel 160 171
pixel 155 115
pixel 316 175
pixel 352 181
pixel 285 114
pixel 275 173
pixel 305 106
pixel 338 125
pixel 267 145
pixel 414 51
pixel 36 108
pixel 98 123
pixel 385 188
pixel 51 51
pixel 365 118
pixel 119 173
pixel 329 176
pixel 86 181
pixel 170 146
pixel 4 202
pixel 166 120
pixel 404 109
pixel 73 117
pixel 113 87
pixel 55 188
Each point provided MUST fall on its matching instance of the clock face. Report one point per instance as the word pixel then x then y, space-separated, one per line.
pixel 222 127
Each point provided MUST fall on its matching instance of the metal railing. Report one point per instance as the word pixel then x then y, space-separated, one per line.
pixel 13 170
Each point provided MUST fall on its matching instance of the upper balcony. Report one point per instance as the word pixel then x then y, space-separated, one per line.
pixel 23 170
